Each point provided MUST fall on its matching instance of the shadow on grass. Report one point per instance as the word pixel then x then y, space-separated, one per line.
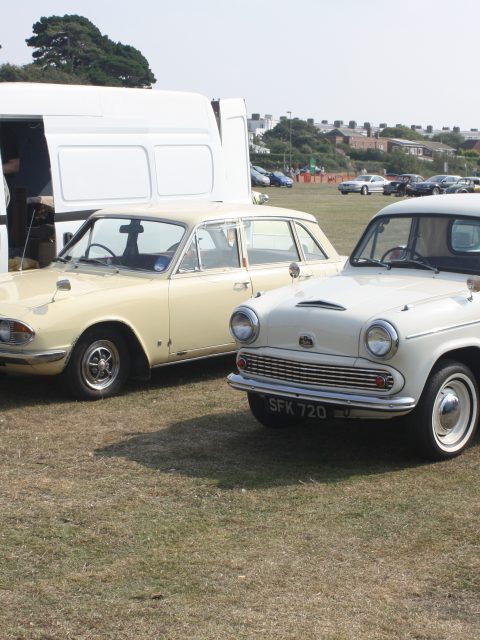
pixel 25 391
pixel 235 451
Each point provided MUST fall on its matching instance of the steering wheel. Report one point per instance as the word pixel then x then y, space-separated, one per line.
pixel 414 254
pixel 102 246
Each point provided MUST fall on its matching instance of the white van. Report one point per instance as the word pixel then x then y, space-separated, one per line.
pixel 83 147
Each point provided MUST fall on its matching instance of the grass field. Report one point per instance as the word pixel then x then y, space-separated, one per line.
pixel 168 513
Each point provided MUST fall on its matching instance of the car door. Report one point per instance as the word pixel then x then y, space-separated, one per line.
pixel 208 284
pixel 271 246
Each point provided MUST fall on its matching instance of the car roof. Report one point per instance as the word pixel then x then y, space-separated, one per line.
pixel 194 213
pixel 467 204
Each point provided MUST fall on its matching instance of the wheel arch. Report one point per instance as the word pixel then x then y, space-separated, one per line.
pixel 140 367
pixel 469 356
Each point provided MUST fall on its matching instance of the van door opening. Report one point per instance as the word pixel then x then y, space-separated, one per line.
pixel 30 217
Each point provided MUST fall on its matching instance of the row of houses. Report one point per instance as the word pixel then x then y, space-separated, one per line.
pixel 424 149
pixel 368 137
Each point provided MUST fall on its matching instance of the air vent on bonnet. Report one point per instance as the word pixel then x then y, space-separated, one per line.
pixel 322 304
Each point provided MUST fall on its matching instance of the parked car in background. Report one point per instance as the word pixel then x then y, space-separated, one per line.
pixel 434 185
pixel 396 333
pixel 465 185
pixel 260 170
pixel 400 185
pixel 364 184
pixel 259 179
pixel 279 179
pixel 148 287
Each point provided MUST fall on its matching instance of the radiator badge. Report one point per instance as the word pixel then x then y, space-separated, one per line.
pixel 306 341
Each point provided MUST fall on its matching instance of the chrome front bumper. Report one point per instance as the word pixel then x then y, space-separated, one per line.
pixel 345 400
pixel 30 358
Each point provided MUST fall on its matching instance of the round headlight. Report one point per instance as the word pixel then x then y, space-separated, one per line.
pixel 244 325
pixel 381 339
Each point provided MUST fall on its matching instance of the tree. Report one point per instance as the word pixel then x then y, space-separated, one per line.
pixel 402 131
pixel 33 73
pixel 450 138
pixel 75 45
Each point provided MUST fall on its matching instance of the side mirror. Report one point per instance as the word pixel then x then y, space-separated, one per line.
pixel 61 285
pixel 294 270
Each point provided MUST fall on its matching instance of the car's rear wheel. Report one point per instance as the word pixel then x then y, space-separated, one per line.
pixel 445 419
pixel 364 191
pixel 99 365
pixel 344 193
pixel 270 420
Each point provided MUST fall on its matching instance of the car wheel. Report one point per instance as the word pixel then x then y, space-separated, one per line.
pixel 445 419
pixel 364 190
pixel 99 365
pixel 344 193
pixel 270 420
pixel 435 191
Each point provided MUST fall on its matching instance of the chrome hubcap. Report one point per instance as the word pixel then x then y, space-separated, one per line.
pixel 454 412
pixel 100 364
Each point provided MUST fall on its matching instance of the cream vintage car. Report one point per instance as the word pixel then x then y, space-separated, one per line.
pixel 140 288
pixel 396 333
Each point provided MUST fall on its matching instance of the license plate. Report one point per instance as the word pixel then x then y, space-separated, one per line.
pixel 296 408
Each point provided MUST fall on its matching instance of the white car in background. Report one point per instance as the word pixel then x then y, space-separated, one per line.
pixel 364 184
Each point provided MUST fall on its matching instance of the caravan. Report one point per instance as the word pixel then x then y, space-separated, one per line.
pixel 81 148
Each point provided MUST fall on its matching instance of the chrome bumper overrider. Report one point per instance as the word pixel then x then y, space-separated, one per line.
pixel 388 405
pixel 31 358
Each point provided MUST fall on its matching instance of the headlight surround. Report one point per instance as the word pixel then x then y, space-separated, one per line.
pixel 381 339
pixel 244 325
pixel 15 332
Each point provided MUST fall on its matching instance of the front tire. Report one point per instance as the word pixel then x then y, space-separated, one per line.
pixel 267 419
pixel 364 191
pixel 445 419
pixel 435 191
pixel 99 365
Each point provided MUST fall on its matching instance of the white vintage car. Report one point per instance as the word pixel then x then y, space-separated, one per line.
pixel 145 287
pixel 396 333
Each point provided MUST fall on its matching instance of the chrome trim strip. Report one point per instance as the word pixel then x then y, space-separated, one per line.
pixel 442 329
pixel 35 357
pixel 388 405
pixel 321 304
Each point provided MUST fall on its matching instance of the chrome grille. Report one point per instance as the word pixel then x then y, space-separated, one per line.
pixel 320 375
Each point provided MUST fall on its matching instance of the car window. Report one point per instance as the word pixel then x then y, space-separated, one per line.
pixel 269 241
pixel 465 236
pixel 213 246
pixel 311 248
pixel 132 243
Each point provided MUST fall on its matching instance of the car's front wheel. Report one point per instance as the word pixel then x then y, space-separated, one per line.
pixel 99 365
pixel 364 191
pixel 271 420
pixel 435 191
pixel 445 419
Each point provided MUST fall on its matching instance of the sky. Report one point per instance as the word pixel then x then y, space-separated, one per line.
pixel 410 62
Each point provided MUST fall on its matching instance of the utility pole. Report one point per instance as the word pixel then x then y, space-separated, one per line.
pixel 290 140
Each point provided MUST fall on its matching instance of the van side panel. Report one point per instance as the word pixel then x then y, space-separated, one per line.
pixel 146 147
